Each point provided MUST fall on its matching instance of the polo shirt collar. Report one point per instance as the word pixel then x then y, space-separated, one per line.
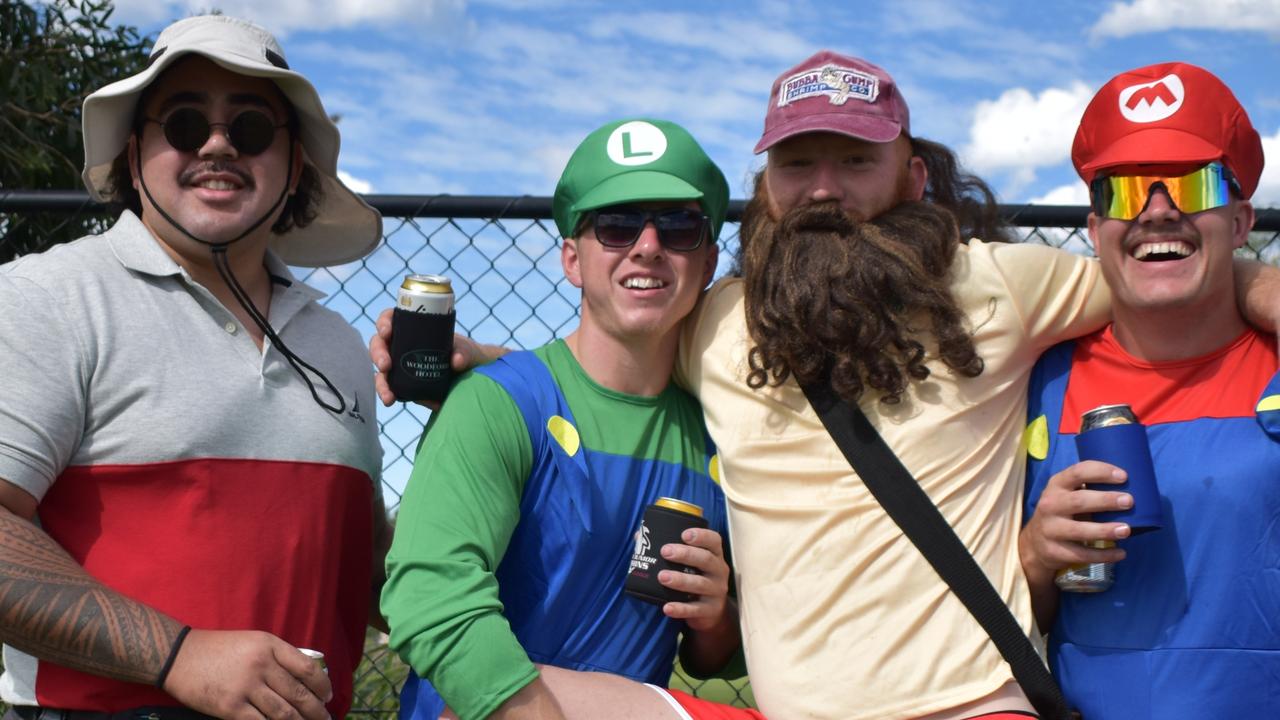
pixel 280 275
pixel 137 249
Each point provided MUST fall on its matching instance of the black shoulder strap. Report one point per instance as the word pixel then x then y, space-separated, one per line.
pixel 910 507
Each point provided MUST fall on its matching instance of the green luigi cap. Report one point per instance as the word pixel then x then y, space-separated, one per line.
pixel 638 160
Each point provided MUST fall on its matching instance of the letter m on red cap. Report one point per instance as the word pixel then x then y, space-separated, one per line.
pixel 1159 91
pixel 1153 101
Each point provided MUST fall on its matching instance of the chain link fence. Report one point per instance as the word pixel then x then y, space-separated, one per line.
pixel 503 255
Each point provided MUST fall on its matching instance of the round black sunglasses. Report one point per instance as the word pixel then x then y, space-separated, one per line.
pixel 187 130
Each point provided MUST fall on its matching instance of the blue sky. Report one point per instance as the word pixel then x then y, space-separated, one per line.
pixel 491 96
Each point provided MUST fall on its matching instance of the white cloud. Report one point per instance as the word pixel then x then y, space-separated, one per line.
pixel 357 185
pixel 1021 132
pixel 1070 194
pixel 1268 192
pixel 553 157
pixel 1151 16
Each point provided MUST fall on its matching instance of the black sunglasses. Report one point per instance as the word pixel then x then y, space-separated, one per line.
pixel 187 130
pixel 679 229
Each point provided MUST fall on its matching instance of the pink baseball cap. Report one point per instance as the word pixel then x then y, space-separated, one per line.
pixel 835 93
pixel 1167 114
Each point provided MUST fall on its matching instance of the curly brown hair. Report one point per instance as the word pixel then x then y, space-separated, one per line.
pixel 966 195
pixel 831 298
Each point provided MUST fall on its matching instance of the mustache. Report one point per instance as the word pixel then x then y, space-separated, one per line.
pixel 189 175
pixel 824 217
pixel 918 234
pixel 1140 235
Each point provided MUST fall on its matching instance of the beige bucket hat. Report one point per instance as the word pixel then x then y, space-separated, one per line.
pixel 346 228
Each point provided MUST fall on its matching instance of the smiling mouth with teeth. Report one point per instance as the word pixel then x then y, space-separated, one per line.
pixel 217 185
pixel 1162 251
pixel 643 283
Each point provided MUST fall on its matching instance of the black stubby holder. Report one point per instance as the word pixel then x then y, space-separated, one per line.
pixel 659 526
pixel 421 349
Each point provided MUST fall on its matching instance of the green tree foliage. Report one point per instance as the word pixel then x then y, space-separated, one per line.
pixel 52 55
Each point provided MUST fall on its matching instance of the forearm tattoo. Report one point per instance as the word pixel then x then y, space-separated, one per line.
pixel 52 609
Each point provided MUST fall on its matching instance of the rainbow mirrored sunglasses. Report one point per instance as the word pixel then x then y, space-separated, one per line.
pixel 1124 197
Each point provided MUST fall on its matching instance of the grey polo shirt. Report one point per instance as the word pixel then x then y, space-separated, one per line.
pixel 177 462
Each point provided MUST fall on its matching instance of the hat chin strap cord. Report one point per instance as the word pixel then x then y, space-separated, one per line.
pixel 224 270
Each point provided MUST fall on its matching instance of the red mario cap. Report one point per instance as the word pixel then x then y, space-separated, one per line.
pixel 1167 114
pixel 835 93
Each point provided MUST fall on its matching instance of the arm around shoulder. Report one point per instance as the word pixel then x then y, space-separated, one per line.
pixel 1258 294
pixel 1058 294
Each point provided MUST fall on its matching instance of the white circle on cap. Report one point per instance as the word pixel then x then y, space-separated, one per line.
pixel 1153 101
pixel 636 143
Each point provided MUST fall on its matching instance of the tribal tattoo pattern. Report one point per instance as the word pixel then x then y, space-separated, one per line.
pixel 52 609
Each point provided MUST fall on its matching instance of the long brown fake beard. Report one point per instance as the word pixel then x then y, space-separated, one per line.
pixel 828 296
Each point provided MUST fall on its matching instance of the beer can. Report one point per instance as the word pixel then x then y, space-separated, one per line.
pixel 680 506
pixel 317 656
pixel 1112 434
pixel 426 294
pixel 1095 577
pixel 422 338
pixel 1090 577
pixel 1106 416
pixel 662 523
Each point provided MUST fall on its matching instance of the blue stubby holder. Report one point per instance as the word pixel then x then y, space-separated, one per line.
pixel 1125 446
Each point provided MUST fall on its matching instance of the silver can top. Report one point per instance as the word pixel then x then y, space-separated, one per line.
pixel 427 284
pixel 315 655
pixel 1107 415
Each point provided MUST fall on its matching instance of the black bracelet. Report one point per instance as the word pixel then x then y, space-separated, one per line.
pixel 173 655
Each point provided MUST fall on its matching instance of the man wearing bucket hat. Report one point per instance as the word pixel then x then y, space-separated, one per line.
pixel 520 518
pixel 1188 627
pixel 182 416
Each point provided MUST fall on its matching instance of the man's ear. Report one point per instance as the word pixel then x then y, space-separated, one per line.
pixel 917 177
pixel 131 155
pixel 295 171
pixel 712 259
pixel 1242 218
pixel 571 262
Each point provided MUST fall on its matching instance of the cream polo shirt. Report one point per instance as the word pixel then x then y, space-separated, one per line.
pixel 842 617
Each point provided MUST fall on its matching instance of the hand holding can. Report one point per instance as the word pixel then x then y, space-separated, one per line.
pixel 663 522
pixel 1112 434
pixel 1090 577
pixel 422 339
